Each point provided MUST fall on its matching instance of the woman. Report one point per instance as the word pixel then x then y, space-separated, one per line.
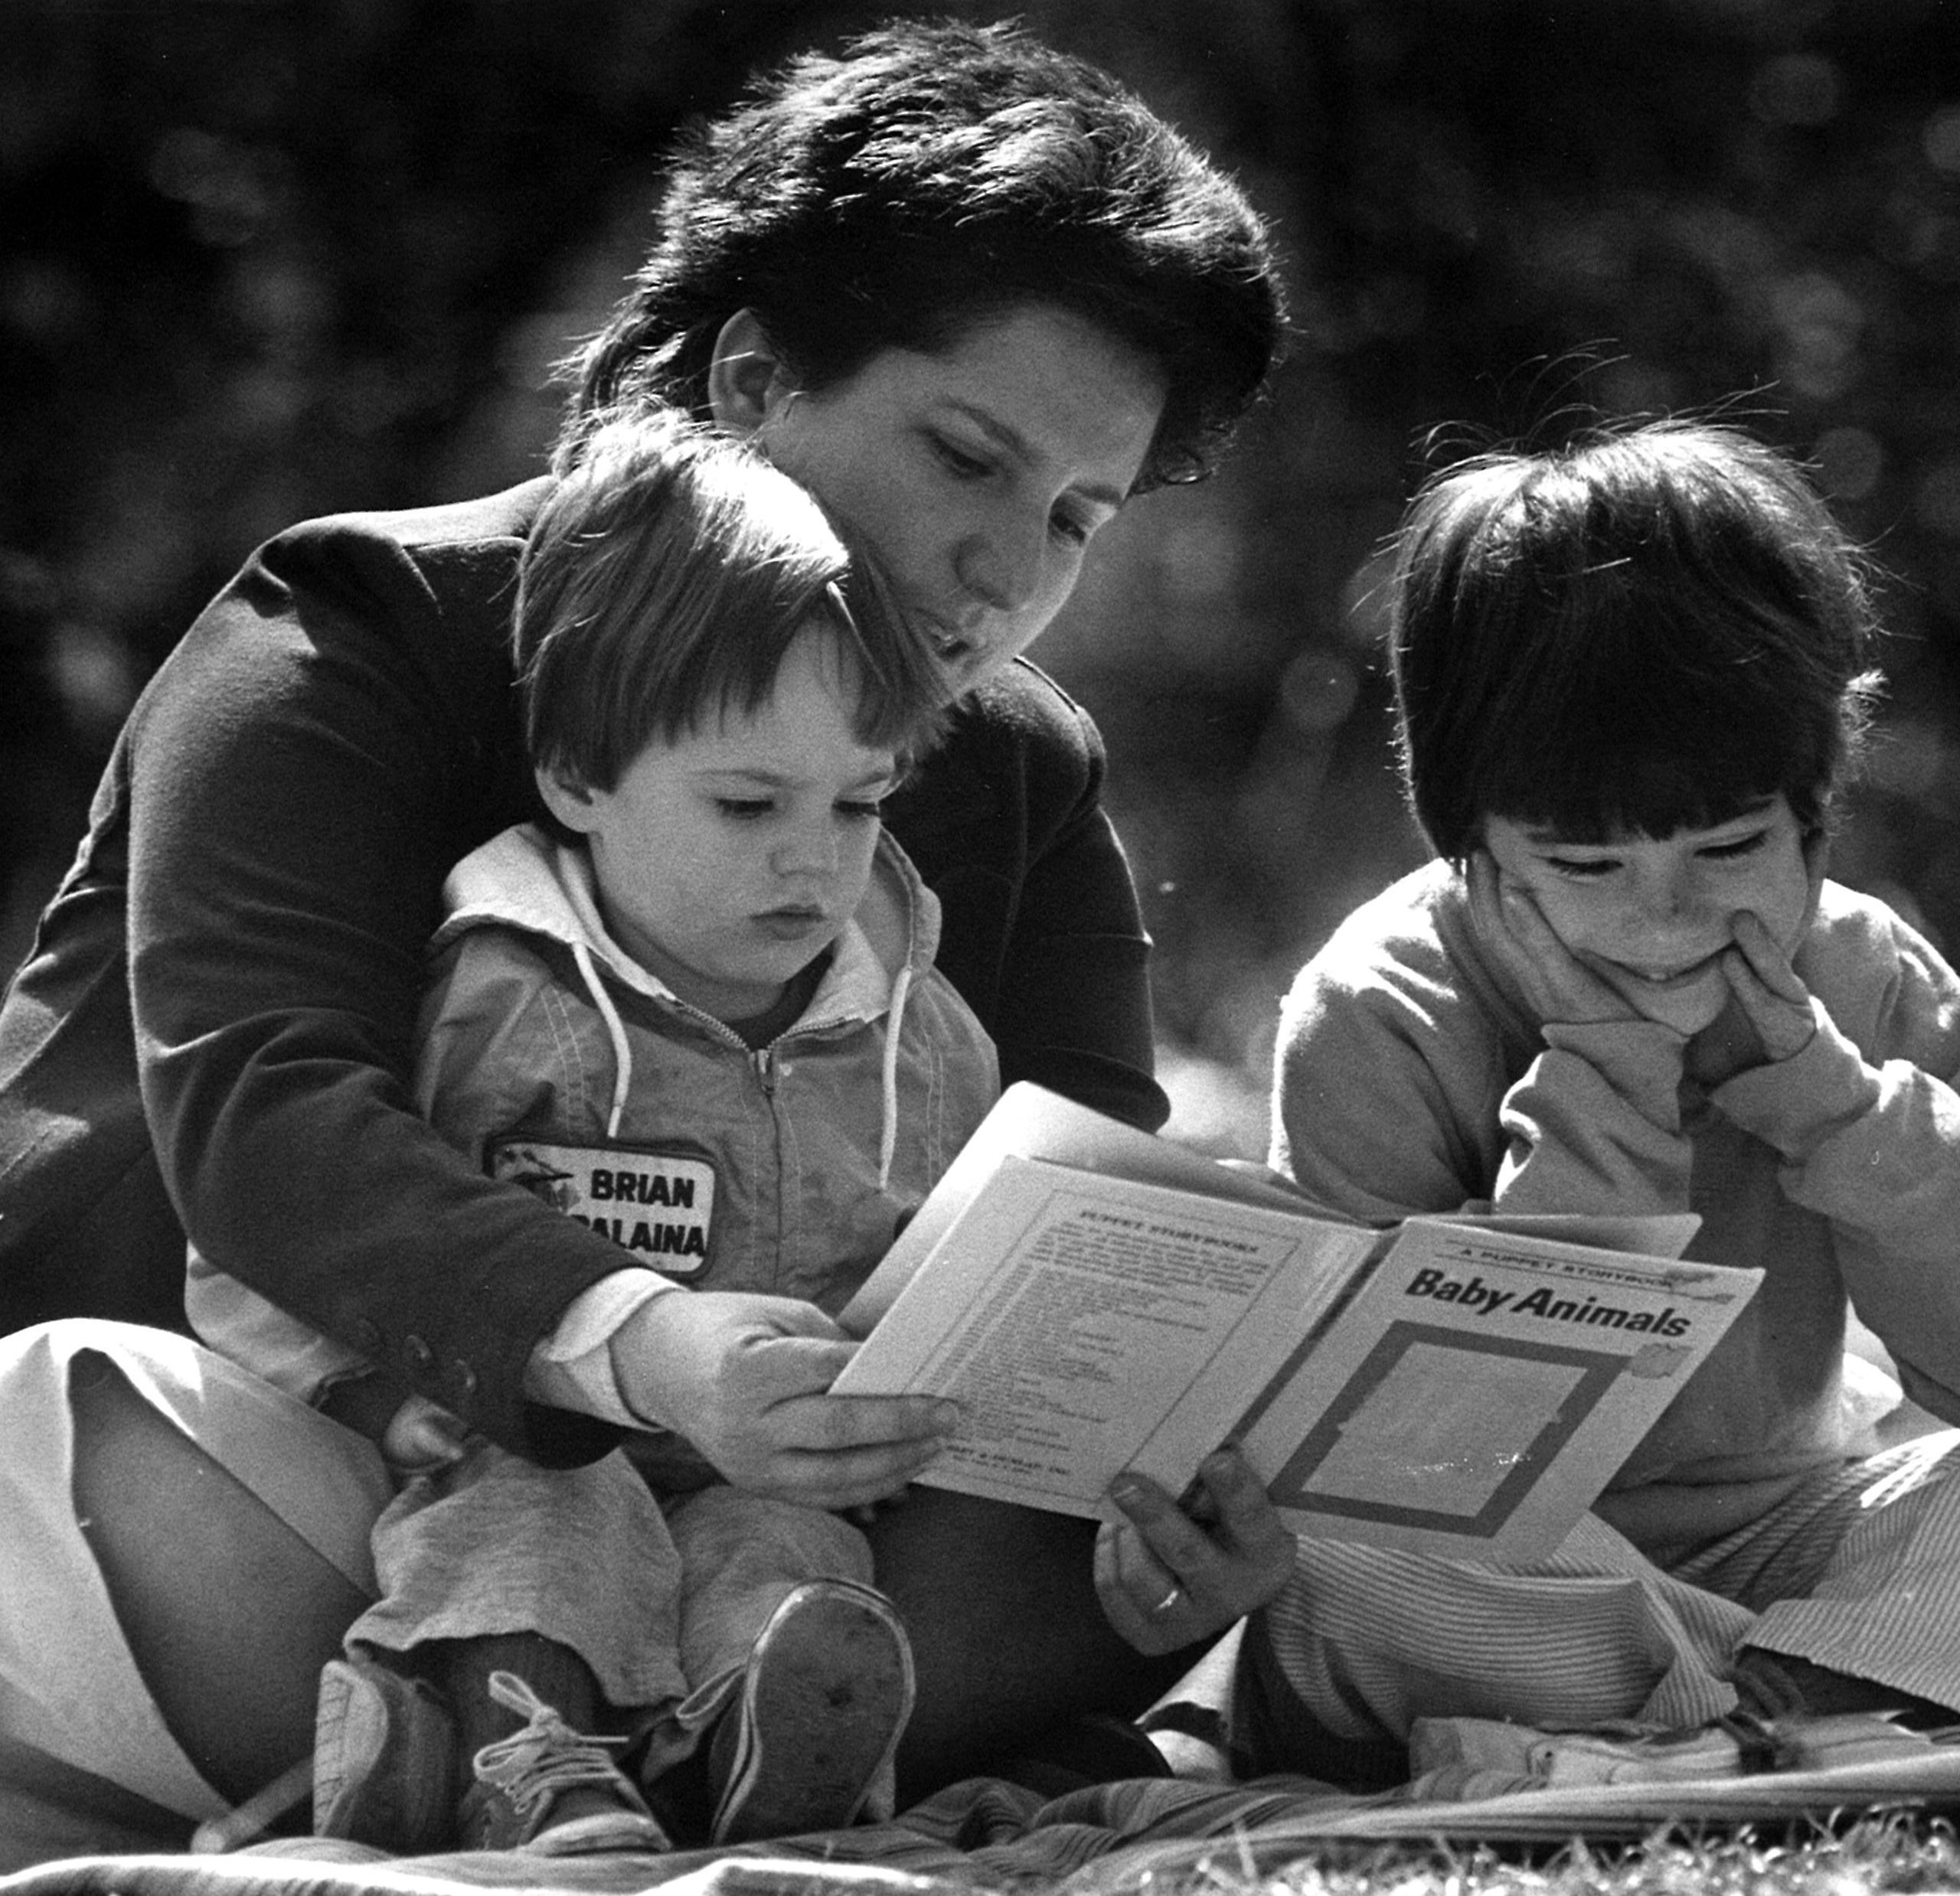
pixel 975 296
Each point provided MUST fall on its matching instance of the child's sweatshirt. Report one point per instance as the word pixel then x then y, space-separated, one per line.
pixel 1412 1077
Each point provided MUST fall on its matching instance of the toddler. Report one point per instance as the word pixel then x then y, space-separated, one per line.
pixel 693 1005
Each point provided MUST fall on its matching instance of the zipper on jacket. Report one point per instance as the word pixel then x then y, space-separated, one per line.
pixel 763 1059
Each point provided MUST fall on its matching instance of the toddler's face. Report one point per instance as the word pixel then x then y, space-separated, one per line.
pixel 727 860
pixel 1650 915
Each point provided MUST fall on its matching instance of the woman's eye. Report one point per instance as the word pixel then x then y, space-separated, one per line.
pixel 967 467
pixel 1066 527
pixel 743 807
pixel 1575 870
pixel 863 810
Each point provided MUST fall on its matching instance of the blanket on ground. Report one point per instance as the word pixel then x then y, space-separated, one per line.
pixel 986 1837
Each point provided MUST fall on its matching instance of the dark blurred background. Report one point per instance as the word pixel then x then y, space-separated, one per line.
pixel 264 259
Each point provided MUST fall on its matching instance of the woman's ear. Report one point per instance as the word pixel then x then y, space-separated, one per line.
pixel 747 378
pixel 569 801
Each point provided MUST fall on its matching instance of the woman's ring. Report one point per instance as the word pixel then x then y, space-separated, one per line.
pixel 1169 1600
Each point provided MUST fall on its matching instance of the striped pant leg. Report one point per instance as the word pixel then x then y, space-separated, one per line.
pixel 1364 1640
pixel 1860 1571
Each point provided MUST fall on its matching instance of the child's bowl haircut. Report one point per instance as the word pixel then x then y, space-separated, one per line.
pixel 663 580
pixel 1650 631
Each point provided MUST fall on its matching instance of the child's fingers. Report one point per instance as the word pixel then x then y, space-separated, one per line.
pixel 821 1475
pixel 769 1424
pixel 842 1422
pixel 1551 978
pixel 1766 957
pixel 1772 994
pixel 850 1477
pixel 810 1420
pixel 1782 1023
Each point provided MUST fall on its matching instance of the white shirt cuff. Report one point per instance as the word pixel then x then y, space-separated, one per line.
pixel 572 1368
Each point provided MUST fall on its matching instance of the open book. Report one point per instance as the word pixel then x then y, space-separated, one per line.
pixel 1096 1299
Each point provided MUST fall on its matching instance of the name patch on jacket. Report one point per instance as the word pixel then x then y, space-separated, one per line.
pixel 660 1206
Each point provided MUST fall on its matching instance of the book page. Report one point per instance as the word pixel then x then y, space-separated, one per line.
pixel 1087 1325
pixel 1028 1121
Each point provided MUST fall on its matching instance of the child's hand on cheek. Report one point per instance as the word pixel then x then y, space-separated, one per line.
pixel 1773 1003
pixel 1555 983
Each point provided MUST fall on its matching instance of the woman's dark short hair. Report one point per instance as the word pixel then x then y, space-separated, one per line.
pixel 1651 631
pixel 665 580
pixel 933 176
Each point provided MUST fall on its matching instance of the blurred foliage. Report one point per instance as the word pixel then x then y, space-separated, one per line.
pixel 264 259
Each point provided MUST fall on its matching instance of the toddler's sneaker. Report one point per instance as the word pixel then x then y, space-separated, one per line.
pixel 383 1759
pixel 824 1698
pixel 550 1791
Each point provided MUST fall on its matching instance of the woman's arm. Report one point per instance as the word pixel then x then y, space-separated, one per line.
pixel 330 736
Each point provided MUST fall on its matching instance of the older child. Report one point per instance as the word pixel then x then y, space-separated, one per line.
pixel 700 1014
pixel 1631 676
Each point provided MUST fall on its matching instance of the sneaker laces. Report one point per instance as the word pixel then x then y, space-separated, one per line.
pixel 533 1766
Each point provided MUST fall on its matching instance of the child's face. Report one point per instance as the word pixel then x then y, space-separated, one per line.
pixel 726 861
pixel 1651 916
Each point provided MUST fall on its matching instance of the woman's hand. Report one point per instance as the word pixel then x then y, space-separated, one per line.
pixel 745 1379
pixel 1168 1579
pixel 1555 983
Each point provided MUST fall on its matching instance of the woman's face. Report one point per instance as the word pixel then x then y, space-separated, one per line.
pixel 979 473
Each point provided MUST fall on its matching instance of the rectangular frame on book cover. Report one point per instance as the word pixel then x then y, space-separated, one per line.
pixel 1388 1418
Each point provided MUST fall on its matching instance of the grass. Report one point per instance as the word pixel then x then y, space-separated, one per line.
pixel 1899 1852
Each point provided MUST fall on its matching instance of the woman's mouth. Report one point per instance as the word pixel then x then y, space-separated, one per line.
pixel 955 650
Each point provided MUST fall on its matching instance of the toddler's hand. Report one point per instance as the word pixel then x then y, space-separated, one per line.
pixel 1555 983
pixel 745 1379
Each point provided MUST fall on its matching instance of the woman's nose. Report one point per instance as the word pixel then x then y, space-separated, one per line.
pixel 1002 568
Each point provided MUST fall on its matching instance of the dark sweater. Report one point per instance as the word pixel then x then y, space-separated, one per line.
pixel 213 1029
